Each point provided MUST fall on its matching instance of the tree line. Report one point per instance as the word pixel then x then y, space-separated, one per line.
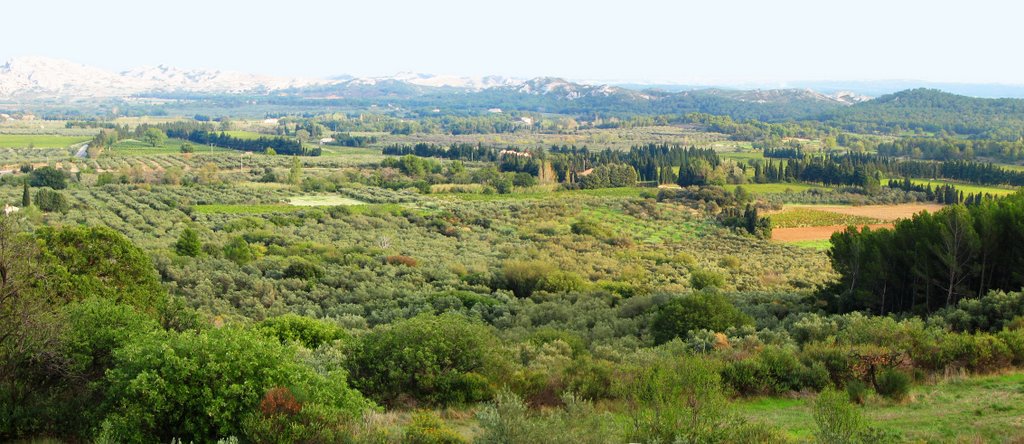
pixel 932 260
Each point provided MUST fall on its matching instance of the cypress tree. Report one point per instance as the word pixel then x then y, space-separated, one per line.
pixel 26 200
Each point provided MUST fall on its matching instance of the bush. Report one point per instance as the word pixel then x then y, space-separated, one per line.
pixel 702 279
pixel 238 251
pixel 837 420
pixel 507 420
pixel 188 243
pixel 427 428
pixel 165 383
pixel 525 277
pixel 674 398
pixel 702 310
pixel 893 384
pixel 300 268
pixel 436 360
pixel 51 201
pixel 401 260
pixel 1014 340
pixel 857 391
pixel 745 377
pixel 48 177
pixel 311 333
pixel 980 352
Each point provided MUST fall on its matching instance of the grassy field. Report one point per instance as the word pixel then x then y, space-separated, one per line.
pixel 323 201
pixel 966 188
pixel 132 147
pixel 245 208
pixel 982 409
pixel 246 134
pixel 39 140
pixel 821 244
pixel 540 194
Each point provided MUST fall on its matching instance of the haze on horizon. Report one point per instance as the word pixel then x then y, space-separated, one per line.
pixel 732 42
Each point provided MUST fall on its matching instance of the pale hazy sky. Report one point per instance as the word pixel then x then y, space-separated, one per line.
pixel 637 40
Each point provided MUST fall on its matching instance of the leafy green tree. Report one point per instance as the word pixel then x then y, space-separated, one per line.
pixel 187 148
pixel 696 311
pixel 295 173
pixel 437 360
pixel 199 386
pixel 311 333
pixel 98 261
pixel 96 328
pixel 51 201
pixel 154 137
pixel 48 177
pixel 706 279
pixel 238 251
pixel 26 200
pixel 30 330
pixel 188 243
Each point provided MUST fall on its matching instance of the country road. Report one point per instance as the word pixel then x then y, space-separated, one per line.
pixel 83 152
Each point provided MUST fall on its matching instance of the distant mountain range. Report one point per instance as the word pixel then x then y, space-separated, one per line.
pixel 46 78
pixel 41 77
pixel 62 85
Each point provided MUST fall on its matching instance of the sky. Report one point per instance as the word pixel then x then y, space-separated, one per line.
pixel 687 42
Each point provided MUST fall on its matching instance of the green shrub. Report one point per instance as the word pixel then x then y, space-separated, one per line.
pixel 238 251
pixel 48 176
pixel 188 243
pixel 695 311
pixel 309 332
pixel 838 421
pixel 506 420
pixel 300 268
pixel 781 369
pixel 525 277
pixel 673 399
pixel 836 360
pixel 588 227
pixel 164 384
pixel 51 201
pixel 745 376
pixel 701 279
pixel 427 428
pixel 979 352
pixel 1014 340
pixel 857 391
pixel 437 360
pixel 893 384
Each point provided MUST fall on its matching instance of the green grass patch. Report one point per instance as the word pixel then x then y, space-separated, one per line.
pixel 245 208
pixel 980 409
pixel 624 192
pixel 820 245
pixel 323 201
pixel 132 147
pixel 965 187
pixel 39 140
pixel 248 135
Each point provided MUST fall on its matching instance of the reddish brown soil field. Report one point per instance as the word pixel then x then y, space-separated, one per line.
pixel 812 233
